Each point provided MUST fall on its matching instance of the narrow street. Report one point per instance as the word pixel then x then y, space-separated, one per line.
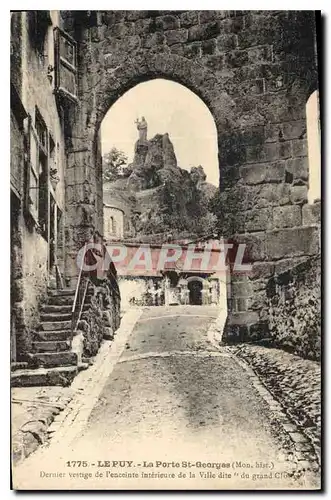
pixel 173 404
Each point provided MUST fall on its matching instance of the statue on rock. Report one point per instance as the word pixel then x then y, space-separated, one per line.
pixel 142 128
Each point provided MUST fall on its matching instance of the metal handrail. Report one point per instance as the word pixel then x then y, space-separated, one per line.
pixel 81 291
pixel 79 304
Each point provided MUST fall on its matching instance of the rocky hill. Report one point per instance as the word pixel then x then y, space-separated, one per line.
pixel 159 197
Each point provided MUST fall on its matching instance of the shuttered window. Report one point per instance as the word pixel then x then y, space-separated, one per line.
pixel 65 58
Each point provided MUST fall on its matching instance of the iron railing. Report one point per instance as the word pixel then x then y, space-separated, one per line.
pixel 80 295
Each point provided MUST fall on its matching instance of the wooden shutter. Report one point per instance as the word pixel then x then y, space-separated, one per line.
pixel 65 65
pixel 32 172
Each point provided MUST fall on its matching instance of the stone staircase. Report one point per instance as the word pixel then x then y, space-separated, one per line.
pixel 52 360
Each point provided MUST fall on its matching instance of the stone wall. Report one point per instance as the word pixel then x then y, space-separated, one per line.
pixel 255 70
pixel 103 316
pixel 294 309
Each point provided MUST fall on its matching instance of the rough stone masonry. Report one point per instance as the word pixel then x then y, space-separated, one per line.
pixel 255 70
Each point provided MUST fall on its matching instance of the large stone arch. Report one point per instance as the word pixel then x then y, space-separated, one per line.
pixel 250 80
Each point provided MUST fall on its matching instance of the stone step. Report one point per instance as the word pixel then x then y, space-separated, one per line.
pixel 43 336
pixel 18 365
pixel 59 316
pixel 47 326
pixel 60 309
pixel 61 292
pixel 52 309
pixel 65 300
pixel 62 376
pixel 52 359
pixel 51 346
pixel 60 300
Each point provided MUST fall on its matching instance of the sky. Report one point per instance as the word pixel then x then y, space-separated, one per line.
pixel 167 107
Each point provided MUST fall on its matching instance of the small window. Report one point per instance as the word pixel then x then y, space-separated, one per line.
pixel 111 225
pixel 65 58
pixel 39 20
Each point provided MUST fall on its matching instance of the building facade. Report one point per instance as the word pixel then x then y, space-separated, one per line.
pixel 37 178
pixel 44 97
pixel 113 223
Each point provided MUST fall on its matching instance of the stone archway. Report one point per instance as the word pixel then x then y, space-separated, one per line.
pixel 195 286
pixel 84 154
pixel 259 130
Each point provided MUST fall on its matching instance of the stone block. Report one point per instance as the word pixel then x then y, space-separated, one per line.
pixel 227 42
pixel 215 62
pixel 260 54
pixel 254 174
pixel 298 167
pixel 254 245
pixel 204 31
pixel 249 87
pixel 261 270
pixel 294 129
pixel 206 16
pixel 285 243
pixel 234 25
pixel 236 58
pixel 288 264
pixel 192 50
pixel 136 15
pixel 286 216
pixel 299 194
pixel 178 49
pixel 209 47
pixel 300 147
pixel 121 30
pixel 273 132
pixel 241 288
pixel 271 194
pixel 188 19
pixel 311 214
pixel 258 220
pixel 176 36
pixel 152 39
pixel 276 172
pixel 241 304
pixel 251 135
pixel 167 22
pixel 268 152
pixel 144 26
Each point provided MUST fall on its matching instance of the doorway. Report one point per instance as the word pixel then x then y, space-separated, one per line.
pixel 195 292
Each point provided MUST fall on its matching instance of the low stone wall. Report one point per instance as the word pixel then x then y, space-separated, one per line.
pixel 294 309
pixel 102 318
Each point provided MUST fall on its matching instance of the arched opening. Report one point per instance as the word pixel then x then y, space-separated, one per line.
pixel 195 292
pixel 160 167
pixel 168 107
pixel 160 160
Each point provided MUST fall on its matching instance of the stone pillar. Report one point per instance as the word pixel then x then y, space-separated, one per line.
pixel 205 293
pixel 82 209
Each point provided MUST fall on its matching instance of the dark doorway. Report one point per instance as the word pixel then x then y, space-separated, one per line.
pixel 195 296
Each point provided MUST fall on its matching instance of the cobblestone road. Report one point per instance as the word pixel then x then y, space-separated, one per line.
pixel 174 398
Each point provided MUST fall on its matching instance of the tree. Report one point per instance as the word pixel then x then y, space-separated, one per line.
pixel 114 163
